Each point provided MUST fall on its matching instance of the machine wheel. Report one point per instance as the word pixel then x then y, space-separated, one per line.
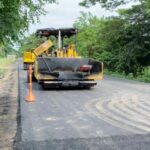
pixel 25 66
pixel 88 87
pixel 43 86
pixel 33 78
pixel 85 87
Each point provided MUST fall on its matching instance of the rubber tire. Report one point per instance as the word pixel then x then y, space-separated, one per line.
pixel 33 78
pixel 25 66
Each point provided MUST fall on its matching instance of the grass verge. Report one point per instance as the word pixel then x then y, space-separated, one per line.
pixel 4 65
pixel 144 77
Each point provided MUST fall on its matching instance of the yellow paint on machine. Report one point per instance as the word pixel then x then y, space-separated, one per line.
pixel 43 47
pixel 29 57
pixel 97 76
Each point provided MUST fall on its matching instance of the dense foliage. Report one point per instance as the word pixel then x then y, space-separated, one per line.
pixel 122 42
pixel 104 3
pixel 30 43
pixel 15 17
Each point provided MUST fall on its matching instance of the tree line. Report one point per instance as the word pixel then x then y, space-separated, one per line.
pixel 122 42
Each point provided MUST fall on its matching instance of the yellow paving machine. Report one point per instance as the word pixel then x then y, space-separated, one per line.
pixel 63 66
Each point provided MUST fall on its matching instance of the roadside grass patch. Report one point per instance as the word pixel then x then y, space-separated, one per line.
pixel 4 64
pixel 143 77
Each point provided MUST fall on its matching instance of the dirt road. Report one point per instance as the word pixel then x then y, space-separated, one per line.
pixel 8 108
pixel 115 115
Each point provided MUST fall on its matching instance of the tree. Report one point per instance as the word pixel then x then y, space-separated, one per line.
pixel 122 42
pixel 89 28
pixel 15 16
pixel 111 4
pixel 104 3
pixel 30 42
pixel 125 41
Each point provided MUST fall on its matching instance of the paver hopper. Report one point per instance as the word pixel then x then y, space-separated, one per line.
pixel 58 72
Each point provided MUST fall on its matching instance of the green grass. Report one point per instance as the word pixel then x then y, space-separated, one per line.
pixel 4 64
pixel 144 77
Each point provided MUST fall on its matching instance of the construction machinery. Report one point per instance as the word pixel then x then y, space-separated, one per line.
pixel 64 67
pixel 29 56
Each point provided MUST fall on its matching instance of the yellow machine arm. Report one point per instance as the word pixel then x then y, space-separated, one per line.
pixel 43 48
pixel 30 57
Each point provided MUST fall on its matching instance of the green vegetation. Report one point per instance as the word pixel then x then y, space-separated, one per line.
pixel 144 77
pixel 110 4
pixel 15 17
pixel 121 42
pixel 30 43
pixel 8 49
pixel 4 64
pixel 104 3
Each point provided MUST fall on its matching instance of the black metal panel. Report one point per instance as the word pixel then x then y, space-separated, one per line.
pixel 68 68
pixel 54 32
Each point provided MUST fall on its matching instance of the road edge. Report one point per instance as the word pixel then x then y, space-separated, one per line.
pixel 18 138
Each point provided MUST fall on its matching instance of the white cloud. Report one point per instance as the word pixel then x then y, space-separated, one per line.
pixel 65 13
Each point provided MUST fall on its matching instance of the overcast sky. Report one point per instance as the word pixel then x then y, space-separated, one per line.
pixel 65 13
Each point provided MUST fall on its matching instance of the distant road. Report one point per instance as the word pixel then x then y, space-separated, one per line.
pixel 114 115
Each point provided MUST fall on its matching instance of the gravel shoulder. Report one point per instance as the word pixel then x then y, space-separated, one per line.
pixel 8 107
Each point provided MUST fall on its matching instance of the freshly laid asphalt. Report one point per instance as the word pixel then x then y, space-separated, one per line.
pixel 114 115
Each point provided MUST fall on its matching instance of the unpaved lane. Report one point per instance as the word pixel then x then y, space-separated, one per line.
pixel 115 115
pixel 8 108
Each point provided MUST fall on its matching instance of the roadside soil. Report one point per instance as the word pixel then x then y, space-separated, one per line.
pixel 8 107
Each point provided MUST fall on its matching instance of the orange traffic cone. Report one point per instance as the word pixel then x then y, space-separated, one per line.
pixel 30 97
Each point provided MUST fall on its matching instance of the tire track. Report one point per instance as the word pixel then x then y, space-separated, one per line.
pixel 125 111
